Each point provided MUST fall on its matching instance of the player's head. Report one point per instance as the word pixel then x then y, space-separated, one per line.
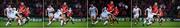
pixel 116 7
pixel 155 3
pixel 22 3
pixel 136 6
pixel 105 8
pixel 49 6
pixel 14 8
pixel 9 6
pixel 111 2
pixel 27 8
pixel 64 3
pixel 150 6
pixel 91 5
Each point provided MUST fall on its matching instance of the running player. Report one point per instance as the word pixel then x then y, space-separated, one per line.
pixel 69 14
pixel 57 15
pixel 26 17
pixel 50 11
pixel 115 13
pixel 105 15
pixel 155 11
pixel 11 14
pixel 110 9
pixel 64 9
pixel 93 13
pixel 148 19
pixel 160 15
pixel 136 14
pixel 20 11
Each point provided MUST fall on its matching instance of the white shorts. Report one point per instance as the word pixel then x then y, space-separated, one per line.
pixel 56 16
pixel 11 16
pixel 150 16
pixel 93 14
pixel 136 16
pixel 50 14
pixel 104 18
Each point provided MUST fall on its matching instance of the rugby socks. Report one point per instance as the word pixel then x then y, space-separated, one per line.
pixel 105 22
pixel 62 22
pixel 19 21
pixel 7 23
pixel 96 22
pixel 145 21
pixel 49 23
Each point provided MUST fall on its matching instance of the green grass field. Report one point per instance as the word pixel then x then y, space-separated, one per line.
pixel 83 24
pixel 98 25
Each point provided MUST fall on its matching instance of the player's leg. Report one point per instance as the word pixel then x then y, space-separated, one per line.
pixel 50 18
pixel 92 21
pixel 114 19
pixel 145 21
pixel 19 20
pixel 105 19
pixel 111 19
pixel 70 19
pixel 61 19
pixel 24 19
pixel 150 19
pixel 135 19
pixel 8 21
pixel 27 20
pixel 95 19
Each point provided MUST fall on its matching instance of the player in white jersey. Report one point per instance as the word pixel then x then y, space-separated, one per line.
pixel 105 15
pixel 149 18
pixel 136 14
pixel 93 13
pixel 11 14
pixel 50 11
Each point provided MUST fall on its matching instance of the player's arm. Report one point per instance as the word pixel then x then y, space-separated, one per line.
pixel 140 11
pixel 29 10
pixel 46 12
pixel 89 11
pixel 96 11
pixel 18 14
pixel 145 12
pixel 5 12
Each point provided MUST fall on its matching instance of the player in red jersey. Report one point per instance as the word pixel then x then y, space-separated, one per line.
pixel 26 14
pixel 160 15
pixel 20 11
pixel 110 7
pixel 155 11
pixel 115 13
pixel 69 16
pixel 64 9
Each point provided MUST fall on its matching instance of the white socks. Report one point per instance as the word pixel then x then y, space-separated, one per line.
pixel 49 23
pixel 62 22
pixel 7 23
pixel 24 20
pixel 105 22
pixel 19 21
pixel 96 22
